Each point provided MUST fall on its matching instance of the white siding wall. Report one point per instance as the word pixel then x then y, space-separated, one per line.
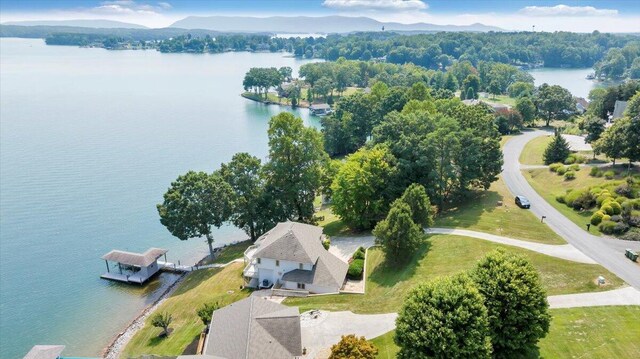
pixel 311 288
pixel 267 269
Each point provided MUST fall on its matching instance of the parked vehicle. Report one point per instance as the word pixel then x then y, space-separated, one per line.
pixel 523 202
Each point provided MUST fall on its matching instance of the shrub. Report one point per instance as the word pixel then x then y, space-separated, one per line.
pixel 625 190
pixel 569 175
pixel 602 197
pixel 596 218
pixel 634 219
pixel 351 346
pixel 206 311
pixel 609 174
pixel 355 269
pixel 570 160
pixel 554 166
pixel 584 201
pixel 560 198
pixel 359 253
pixel 595 190
pixel 594 172
pixel 326 243
pixel 162 320
pixel 575 167
pixel 606 208
pixel 616 218
pixel 632 235
pixel 615 206
pixel 610 227
pixel 561 170
pixel 606 217
pixel 573 195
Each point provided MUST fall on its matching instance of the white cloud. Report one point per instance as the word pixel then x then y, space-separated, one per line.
pixel 117 7
pixel 388 5
pixel 565 10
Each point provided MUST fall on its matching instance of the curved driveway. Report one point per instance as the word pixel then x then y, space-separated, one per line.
pixel 608 252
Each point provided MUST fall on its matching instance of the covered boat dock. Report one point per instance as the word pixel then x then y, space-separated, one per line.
pixel 133 267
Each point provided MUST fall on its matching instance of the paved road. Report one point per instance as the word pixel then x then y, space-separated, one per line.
pixel 608 252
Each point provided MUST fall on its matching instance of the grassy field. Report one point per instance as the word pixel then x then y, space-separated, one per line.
pixel 532 152
pixel 199 287
pixel 548 184
pixel 590 333
pixel 482 214
pixel 504 99
pixel 231 252
pixel 445 255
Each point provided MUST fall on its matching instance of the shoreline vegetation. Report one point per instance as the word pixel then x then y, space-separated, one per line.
pixel 117 345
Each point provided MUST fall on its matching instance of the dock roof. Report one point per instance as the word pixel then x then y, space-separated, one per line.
pixel 135 259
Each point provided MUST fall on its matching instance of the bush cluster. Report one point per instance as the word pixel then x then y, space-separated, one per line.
pixel 632 235
pixel 356 268
pixel 575 158
pixel 595 172
pixel 569 175
pixel 611 227
pixel 596 218
pixel 609 174
pixel 554 166
pixel 359 253
pixel 326 243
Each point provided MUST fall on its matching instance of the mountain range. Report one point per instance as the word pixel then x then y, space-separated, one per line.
pixel 278 24
pixel 98 24
pixel 308 24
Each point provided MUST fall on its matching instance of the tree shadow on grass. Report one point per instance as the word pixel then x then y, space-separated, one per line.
pixel 388 274
pixel 161 337
pixel 192 348
pixel 468 211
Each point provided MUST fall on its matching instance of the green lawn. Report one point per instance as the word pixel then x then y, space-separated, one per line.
pixel 504 99
pixel 445 255
pixel 548 184
pixel 533 150
pixel 482 214
pixel 232 252
pixel 333 225
pixel 597 332
pixel 199 287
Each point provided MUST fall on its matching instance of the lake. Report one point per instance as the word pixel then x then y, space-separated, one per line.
pixel 90 140
pixel 573 80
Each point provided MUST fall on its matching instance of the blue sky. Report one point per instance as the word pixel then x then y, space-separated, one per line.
pixel 570 15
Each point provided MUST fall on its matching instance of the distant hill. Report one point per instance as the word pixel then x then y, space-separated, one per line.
pixel 96 24
pixel 306 24
pixel 37 31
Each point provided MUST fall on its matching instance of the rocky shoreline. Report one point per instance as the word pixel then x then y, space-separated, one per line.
pixel 113 350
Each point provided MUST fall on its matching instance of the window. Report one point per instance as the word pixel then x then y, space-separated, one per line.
pixel 258 260
pixel 277 263
pixel 300 285
pixel 301 266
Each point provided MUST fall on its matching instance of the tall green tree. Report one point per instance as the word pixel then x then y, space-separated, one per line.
pixel 557 150
pixel 633 106
pixel 398 235
pixel 162 320
pixel 516 303
pixel 194 204
pixel 594 127
pixel 294 170
pixel 244 174
pixel 612 142
pixel 527 109
pixel 418 201
pixel 444 319
pixel 553 102
pixel 361 190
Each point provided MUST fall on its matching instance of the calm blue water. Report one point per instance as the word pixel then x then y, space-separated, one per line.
pixel 573 80
pixel 89 141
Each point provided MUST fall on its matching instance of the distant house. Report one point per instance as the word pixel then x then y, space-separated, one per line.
pixel 581 104
pixel 320 109
pixel 496 107
pixel 45 352
pixel 254 328
pixel 133 267
pixel 291 256
pixel 618 109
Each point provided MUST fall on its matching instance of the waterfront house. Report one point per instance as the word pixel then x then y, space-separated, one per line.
pixel 291 256
pixel 254 328
pixel 320 109
pixel 618 109
pixel 581 104
pixel 133 267
pixel 45 352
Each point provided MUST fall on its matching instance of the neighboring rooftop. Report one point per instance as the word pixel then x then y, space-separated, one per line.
pixel 319 106
pixel 135 259
pixel 618 109
pixel 45 352
pixel 255 328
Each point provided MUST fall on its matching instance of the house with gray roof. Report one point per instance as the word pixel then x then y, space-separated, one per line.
pixel 291 256
pixel 254 328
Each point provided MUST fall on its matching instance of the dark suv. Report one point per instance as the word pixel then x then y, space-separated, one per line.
pixel 523 202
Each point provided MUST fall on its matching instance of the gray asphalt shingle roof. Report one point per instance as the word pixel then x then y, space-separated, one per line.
pixel 255 328
pixel 135 259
